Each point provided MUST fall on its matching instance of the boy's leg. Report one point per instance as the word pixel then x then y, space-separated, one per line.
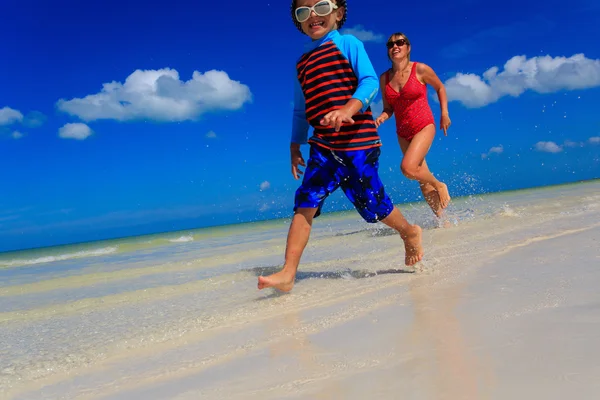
pixel 297 240
pixel 364 189
pixel 410 234
pixel 320 180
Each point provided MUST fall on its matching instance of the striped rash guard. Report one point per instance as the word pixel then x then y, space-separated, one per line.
pixel 336 69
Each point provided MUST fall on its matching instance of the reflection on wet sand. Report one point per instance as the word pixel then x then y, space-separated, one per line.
pixel 444 362
pixel 298 345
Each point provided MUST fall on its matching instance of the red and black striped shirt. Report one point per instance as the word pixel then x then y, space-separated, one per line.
pixel 328 81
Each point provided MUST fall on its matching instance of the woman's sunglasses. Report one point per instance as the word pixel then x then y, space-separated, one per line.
pixel 322 9
pixel 399 43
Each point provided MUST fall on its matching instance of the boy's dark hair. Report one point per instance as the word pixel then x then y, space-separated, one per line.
pixel 339 3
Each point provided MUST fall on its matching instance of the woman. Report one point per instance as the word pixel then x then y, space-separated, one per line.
pixel 404 94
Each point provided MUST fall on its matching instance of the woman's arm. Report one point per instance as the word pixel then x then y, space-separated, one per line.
pixel 428 76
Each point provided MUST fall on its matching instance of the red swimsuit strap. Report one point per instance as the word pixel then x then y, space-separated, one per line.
pixel 413 70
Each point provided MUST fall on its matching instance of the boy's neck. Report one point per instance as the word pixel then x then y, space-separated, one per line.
pixel 325 35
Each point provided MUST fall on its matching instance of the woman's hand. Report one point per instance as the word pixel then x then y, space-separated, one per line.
pixel 445 123
pixel 380 120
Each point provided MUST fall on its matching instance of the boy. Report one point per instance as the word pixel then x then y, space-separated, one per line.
pixel 335 86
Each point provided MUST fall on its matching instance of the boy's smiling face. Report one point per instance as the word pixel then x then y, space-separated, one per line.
pixel 316 26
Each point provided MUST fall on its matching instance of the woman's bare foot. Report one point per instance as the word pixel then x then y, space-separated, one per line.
pixel 442 220
pixel 413 247
pixel 445 224
pixel 442 190
pixel 282 280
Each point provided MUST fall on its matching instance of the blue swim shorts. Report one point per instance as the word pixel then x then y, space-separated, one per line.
pixel 355 171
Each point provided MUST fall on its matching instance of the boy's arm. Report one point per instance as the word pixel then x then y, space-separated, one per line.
pixel 299 123
pixel 368 84
pixel 299 130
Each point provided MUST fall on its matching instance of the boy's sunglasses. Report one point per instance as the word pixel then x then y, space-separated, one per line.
pixel 322 9
pixel 399 43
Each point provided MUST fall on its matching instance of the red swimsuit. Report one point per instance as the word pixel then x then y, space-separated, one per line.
pixel 410 105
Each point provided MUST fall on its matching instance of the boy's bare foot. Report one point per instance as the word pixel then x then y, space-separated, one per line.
pixel 413 247
pixel 282 280
pixel 442 190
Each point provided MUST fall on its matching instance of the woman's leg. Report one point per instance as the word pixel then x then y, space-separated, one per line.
pixel 415 167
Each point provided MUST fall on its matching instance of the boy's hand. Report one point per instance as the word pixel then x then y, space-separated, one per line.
pixel 296 158
pixel 336 118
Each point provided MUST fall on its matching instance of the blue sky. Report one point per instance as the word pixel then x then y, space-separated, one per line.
pixel 199 135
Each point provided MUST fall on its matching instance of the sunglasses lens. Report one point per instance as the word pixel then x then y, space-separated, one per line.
pixel 399 43
pixel 302 13
pixel 323 8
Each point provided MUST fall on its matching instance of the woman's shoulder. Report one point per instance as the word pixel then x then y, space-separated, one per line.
pixel 384 74
pixel 422 70
pixel 421 67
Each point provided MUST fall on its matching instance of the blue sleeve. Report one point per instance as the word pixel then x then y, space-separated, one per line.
pixel 368 83
pixel 299 122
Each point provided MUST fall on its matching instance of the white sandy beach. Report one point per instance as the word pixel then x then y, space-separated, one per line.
pixel 505 305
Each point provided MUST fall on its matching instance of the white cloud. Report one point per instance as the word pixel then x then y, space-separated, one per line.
pixel 9 218
pixel 363 34
pixel 211 135
pixel 160 95
pixel 570 143
pixel 541 74
pixel 265 185
pixel 9 116
pixel 548 147
pixel 77 131
pixel 34 119
pixel 493 150
pixel 594 140
pixel 497 149
pixel 17 135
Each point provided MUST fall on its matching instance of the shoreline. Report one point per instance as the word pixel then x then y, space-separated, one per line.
pixel 250 224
